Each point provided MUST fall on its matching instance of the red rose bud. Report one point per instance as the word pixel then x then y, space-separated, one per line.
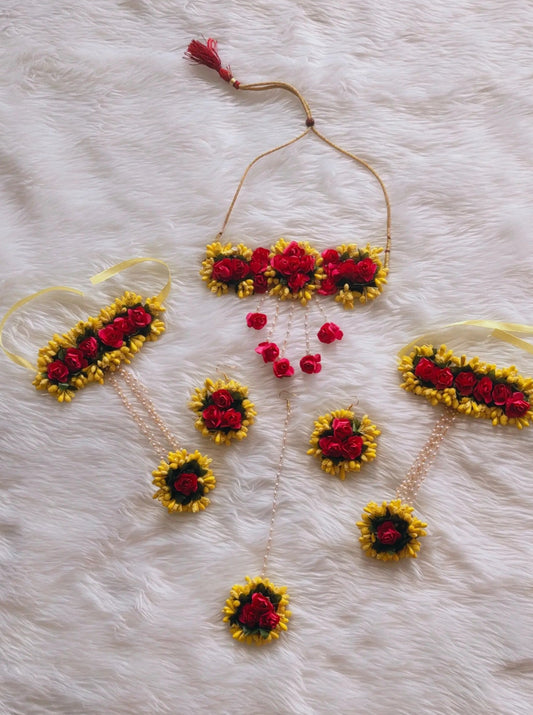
pixel 347 271
pixel 516 405
pixel 212 417
pixel 257 321
pixel 342 428
pixel 330 256
pixel 327 287
pixel 125 323
pixel 483 390
pixel 310 364
pixel 293 264
pixel 268 351
pixel 444 379
pixel 269 620
pixel 57 371
pixel 501 393
pixel 89 347
pixel 366 270
pixel 293 249
pixel 329 332
pixel 139 317
pixel 352 447
pixel 111 336
pixel 251 612
pixel 330 447
pixel 259 260
pixel 260 283
pixel 282 368
pixel 186 483
pixel 222 270
pixel 387 533
pixel 248 616
pixel 75 359
pixel 297 282
pixel 231 419
pixel 222 399
pixel 307 264
pixel 239 270
pixel 464 383
pixel 280 263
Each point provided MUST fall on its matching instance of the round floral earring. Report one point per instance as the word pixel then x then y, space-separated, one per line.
pixel 223 410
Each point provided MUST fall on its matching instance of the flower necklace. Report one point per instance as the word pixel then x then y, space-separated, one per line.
pixel 391 531
pixel 291 270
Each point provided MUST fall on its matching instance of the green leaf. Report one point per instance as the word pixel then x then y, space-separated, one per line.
pixel 263 633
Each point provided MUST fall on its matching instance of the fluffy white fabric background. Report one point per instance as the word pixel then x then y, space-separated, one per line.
pixel 112 147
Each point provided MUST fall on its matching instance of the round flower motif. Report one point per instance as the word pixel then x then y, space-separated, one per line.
pixel 295 270
pixel 256 612
pixel 343 443
pixel 353 274
pixel 282 368
pixel 468 386
pixel 329 332
pixel 390 532
pixel 310 364
pixel 228 266
pixel 257 321
pixel 183 481
pixel 268 351
pixel 223 410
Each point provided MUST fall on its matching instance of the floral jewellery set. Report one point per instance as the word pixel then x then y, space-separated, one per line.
pixel 96 349
pixel 391 531
pixel 291 270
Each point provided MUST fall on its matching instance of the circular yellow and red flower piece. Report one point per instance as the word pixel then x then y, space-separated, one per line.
pixel 183 481
pixel 390 531
pixel 223 410
pixel 256 612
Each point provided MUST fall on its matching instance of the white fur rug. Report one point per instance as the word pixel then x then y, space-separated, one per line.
pixel 113 146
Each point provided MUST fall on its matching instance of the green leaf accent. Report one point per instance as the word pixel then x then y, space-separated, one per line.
pixel 263 633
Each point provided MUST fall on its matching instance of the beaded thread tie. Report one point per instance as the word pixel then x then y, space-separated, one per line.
pixel 391 531
pixel 291 270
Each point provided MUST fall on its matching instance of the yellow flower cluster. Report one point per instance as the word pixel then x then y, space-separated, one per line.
pixel 239 393
pixel 234 603
pixel 348 297
pixel 217 250
pixel 178 461
pixel 466 404
pixel 408 527
pixel 365 429
pixel 282 291
pixel 110 360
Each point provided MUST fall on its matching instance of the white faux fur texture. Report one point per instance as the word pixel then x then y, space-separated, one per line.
pixel 112 147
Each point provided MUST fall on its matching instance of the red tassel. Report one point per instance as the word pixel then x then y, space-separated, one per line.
pixel 207 55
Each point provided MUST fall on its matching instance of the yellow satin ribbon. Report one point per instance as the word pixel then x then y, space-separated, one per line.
pixel 501 331
pixel 98 278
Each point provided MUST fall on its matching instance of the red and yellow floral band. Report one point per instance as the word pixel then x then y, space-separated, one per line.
pixel 471 387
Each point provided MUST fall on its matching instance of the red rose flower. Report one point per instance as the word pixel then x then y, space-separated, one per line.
pixel 89 347
pixel 464 383
pixel 239 270
pixel 387 533
pixel 231 419
pixel 257 321
pixel 111 336
pixel 259 260
pixel 139 317
pixel 186 483
pixel 297 282
pixel 342 428
pixel 293 249
pixel 516 405
pixel 282 368
pixel 252 611
pixel 444 379
pixel 260 283
pixel 330 447
pixel 366 270
pixel 329 332
pixel 280 263
pixel 75 359
pixel 501 393
pixel 222 399
pixel 212 417
pixel 57 371
pixel 222 270
pixel 347 271
pixel 125 323
pixel 327 287
pixel 307 264
pixel 293 264
pixel 310 364
pixel 268 351
pixel 483 390
pixel 427 370
pixel 268 620
pixel 330 256
pixel 352 447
